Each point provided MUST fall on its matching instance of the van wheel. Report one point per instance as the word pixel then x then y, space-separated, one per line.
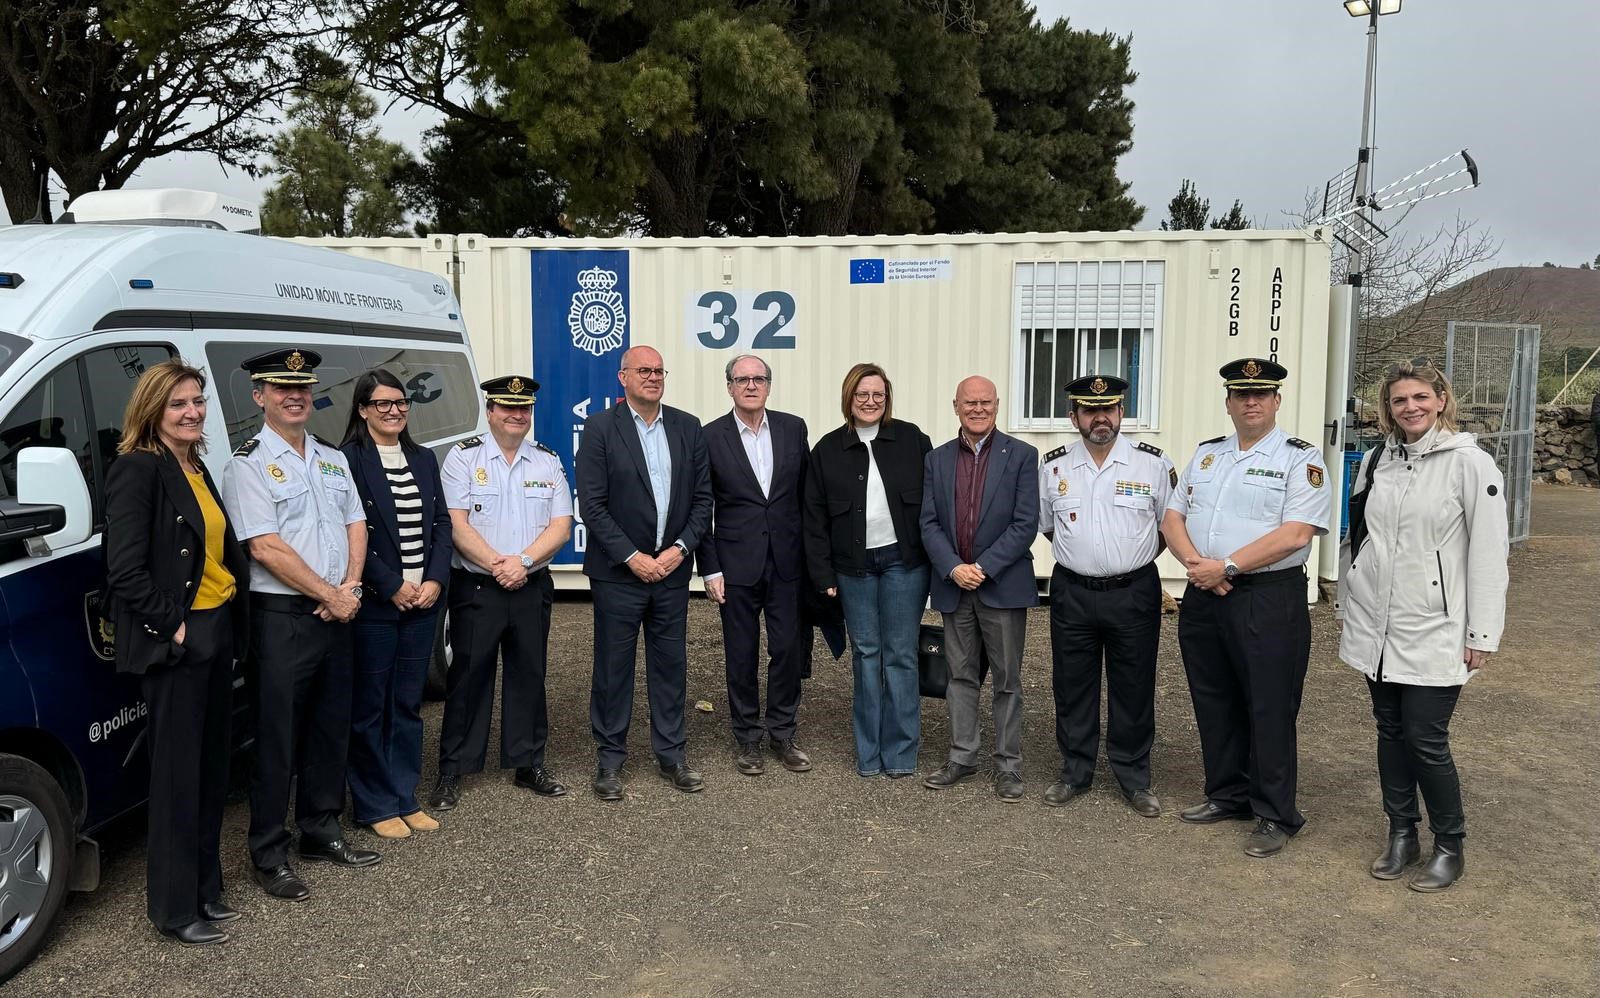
pixel 439 666
pixel 36 848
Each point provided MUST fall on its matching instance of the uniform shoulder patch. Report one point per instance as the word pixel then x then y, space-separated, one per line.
pixel 1148 448
pixel 469 443
pixel 1299 444
pixel 539 446
pixel 1055 453
pixel 244 449
pixel 1213 440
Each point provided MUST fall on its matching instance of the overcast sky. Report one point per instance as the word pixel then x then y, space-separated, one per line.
pixel 1261 99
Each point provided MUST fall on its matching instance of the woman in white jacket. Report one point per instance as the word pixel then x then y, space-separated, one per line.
pixel 1421 606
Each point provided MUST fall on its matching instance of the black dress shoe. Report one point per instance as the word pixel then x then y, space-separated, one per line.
pixel 1060 792
pixel 793 758
pixel 196 934
pixel 1403 850
pixel 1209 813
pixel 339 853
pixel 749 759
pixel 681 776
pixel 1008 787
pixel 607 784
pixel 281 882
pixel 539 780
pixel 446 793
pixel 1267 839
pixel 1443 868
pixel 1144 803
pixel 216 911
pixel 949 775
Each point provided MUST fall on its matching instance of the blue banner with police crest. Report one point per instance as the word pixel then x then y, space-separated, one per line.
pixel 580 329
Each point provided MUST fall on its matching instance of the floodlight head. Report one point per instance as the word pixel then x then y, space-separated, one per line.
pixel 1363 8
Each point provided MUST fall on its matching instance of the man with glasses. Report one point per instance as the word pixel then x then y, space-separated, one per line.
pixel 752 561
pixel 644 492
pixel 510 512
pixel 980 507
pixel 1241 520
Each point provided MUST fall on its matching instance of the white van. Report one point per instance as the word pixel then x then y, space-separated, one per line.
pixel 84 310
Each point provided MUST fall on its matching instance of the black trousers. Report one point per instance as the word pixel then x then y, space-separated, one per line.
pixel 1121 627
pixel 301 699
pixel 1245 655
pixel 620 609
pixel 191 707
pixel 489 624
pixel 1414 750
pixel 779 600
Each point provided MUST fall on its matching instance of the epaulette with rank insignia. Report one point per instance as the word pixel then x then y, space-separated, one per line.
pixel 244 449
pixel 538 446
pixel 1148 448
pixel 1056 453
pixel 326 443
pixel 469 443
pixel 1213 440
pixel 1299 444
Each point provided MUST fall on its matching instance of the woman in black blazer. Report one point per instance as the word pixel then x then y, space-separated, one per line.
pixel 407 568
pixel 863 543
pixel 177 582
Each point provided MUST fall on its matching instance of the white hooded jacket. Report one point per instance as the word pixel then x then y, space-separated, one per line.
pixel 1430 580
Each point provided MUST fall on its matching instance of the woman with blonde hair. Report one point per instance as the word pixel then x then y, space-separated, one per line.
pixel 1422 594
pixel 174 574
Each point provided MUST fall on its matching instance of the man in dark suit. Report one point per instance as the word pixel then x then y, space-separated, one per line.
pixel 644 497
pixel 752 561
pixel 980 510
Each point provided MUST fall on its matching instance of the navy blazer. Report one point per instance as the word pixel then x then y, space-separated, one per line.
pixel 748 526
pixel 380 577
pixel 616 505
pixel 1008 520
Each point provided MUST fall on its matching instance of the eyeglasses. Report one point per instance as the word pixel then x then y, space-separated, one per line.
pixel 869 396
pixel 1407 367
pixel 977 405
pixel 389 405
pixel 745 380
pixel 646 373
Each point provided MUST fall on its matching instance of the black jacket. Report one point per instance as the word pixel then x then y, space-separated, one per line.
pixel 380 576
pixel 748 526
pixel 155 549
pixel 836 498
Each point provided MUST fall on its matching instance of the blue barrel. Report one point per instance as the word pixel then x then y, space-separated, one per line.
pixel 1352 462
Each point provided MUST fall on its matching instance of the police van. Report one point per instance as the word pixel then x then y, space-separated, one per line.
pixel 85 308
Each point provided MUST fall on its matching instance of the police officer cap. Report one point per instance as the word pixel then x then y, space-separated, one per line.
pixel 1094 391
pixel 1253 374
pixel 513 389
pixel 284 366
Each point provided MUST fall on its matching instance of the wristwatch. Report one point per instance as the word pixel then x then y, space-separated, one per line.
pixel 1229 569
pixel 355 590
pixel 527 563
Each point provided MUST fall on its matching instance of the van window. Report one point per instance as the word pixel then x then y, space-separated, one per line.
pixel 445 399
pixel 112 373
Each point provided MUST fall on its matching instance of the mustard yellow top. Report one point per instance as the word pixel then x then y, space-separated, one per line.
pixel 217 585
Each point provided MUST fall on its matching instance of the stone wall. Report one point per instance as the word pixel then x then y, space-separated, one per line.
pixel 1563 441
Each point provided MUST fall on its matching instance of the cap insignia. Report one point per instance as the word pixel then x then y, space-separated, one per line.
pixel 514 386
pixel 1251 368
pixel 1098 386
pixel 294 361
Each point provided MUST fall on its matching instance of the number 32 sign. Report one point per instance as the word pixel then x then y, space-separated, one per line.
pixel 754 320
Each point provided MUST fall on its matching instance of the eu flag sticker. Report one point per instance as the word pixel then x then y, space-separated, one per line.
pixel 866 270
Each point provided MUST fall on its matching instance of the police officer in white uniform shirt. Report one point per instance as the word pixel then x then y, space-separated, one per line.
pixel 511 512
pixel 1100 502
pixel 1241 520
pixel 295 508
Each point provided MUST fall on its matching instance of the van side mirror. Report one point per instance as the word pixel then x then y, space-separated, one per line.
pixel 52 507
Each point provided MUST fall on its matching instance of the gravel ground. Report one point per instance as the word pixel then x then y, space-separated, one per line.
pixel 826 884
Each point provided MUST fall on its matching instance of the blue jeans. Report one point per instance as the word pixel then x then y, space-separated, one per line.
pixel 883 612
pixel 391 666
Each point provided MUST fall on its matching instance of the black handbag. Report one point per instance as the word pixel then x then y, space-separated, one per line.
pixel 933 671
pixel 1358 504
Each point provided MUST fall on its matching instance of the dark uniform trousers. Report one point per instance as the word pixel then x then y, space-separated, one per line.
pixel 191 706
pixel 779 601
pixel 1246 654
pixel 1117 622
pixel 301 698
pixel 620 608
pixel 489 623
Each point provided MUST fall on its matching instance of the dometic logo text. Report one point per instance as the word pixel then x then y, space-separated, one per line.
pixel 121 719
pixel 333 296
pixel 234 210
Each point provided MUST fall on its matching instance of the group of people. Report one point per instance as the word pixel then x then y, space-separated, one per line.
pixel 323 569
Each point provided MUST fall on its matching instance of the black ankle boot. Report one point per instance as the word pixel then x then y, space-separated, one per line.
pixel 1402 851
pixel 1443 868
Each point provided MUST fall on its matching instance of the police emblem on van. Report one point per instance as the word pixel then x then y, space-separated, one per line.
pixel 102 635
pixel 597 319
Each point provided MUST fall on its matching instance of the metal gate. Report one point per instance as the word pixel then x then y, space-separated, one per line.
pixel 1494 369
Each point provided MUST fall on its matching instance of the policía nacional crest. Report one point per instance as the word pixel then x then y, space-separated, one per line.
pixel 597 318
